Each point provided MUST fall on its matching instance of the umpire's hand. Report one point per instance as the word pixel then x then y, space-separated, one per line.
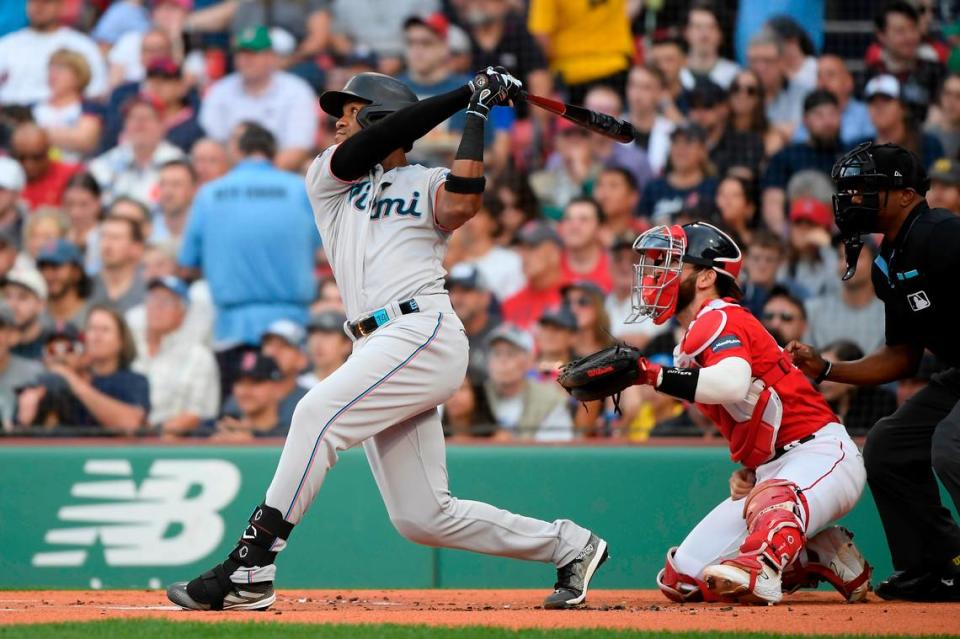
pixel 806 358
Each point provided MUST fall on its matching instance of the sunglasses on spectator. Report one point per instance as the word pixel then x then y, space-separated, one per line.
pixel 783 317
pixel 749 89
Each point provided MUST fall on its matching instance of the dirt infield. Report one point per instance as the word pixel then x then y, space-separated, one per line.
pixel 818 613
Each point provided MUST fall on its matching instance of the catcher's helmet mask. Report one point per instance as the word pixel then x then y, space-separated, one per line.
pixel 861 176
pixel 382 95
pixel 663 252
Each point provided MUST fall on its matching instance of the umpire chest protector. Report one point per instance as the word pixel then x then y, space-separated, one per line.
pixel 917 278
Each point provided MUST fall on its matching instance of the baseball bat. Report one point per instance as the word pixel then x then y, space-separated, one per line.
pixel 591 120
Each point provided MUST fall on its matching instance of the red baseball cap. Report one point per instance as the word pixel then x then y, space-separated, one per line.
pixel 436 22
pixel 811 210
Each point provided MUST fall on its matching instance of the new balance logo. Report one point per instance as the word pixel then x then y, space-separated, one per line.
pixel 134 523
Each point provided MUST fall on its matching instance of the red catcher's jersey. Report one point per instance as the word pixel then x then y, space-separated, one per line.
pixel 724 329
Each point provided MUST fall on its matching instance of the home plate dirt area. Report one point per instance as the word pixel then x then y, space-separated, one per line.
pixel 807 613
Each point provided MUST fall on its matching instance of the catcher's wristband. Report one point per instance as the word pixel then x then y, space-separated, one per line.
pixel 824 374
pixel 679 382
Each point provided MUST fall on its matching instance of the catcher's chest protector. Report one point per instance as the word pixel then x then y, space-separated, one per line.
pixel 752 424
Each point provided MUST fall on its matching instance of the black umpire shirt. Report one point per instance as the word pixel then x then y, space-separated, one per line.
pixel 917 276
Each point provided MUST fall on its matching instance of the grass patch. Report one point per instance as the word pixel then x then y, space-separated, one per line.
pixel 160 629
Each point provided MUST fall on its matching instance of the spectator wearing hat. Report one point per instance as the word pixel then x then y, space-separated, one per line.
pixel 587 45
pixel 183 376
pixel 132 167
pixel 476 242
pixel 896 122
pixel 858 407
pixel 209 159
pixel 944 122
pixel 688 185
pixel 834 76
pixel 764 267
pixel 68 287
pixel 328 347
pixel 258 92
pixel 72 123
pixel 428 73
pixel 784 315
pixel 854 314
pixel 944 189
pixel 12 211
pixel 619 303
pixel 24 55
pixel 257 400
pixel 120 282
pixel 93 385
pixel 271 234
pixel 15 371
pixel 26 294
pixel 812 259
pixel 586 300
pixel 168 89
pixel 902 51
pixel 617 194
pixel 176 188
pixel 542 255
pixel 555 337
pixel 726 146
pixel 584 255
pixel 704 35
pixel 46 178
pixel 471 298
pixel 523 407
pixel 645 86
pixel 821 116
pixel 283 343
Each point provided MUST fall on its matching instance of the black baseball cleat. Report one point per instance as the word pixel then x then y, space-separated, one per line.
pixel 920 585
pixel 573 579
pixel 213 590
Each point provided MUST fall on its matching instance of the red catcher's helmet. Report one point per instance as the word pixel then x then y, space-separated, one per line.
pixel 663 252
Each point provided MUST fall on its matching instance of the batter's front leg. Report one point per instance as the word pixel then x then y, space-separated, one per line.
pixel 409 465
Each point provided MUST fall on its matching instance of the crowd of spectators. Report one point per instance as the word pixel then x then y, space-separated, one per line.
pixel 161 270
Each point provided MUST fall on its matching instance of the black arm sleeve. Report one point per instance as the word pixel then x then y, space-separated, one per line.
pixel 357 155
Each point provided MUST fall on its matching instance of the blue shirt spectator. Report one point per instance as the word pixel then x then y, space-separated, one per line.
pixel 252 234
pixel 753 14
pixel 120 18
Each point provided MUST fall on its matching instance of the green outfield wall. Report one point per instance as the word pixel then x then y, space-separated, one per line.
pixel 83 516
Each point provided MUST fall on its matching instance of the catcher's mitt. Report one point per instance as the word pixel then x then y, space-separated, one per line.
pixel 603 374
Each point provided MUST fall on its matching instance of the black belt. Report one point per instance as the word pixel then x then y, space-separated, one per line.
pixel 370 323
pixel 778 453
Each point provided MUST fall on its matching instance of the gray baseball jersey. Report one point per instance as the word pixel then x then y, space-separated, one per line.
pixel 385 246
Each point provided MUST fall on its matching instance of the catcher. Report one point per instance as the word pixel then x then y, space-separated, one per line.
pixel 801 471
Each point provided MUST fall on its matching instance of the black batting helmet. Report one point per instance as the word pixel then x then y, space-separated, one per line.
pixel 382 94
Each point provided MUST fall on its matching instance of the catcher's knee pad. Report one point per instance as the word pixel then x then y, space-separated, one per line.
pixel 831 557
pixel 679 587
pixel 775 512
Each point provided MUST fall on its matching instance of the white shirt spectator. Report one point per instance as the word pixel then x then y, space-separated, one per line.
pixel 24 55
pixel 502 271
pixel 183 375
pixel 723 73
pixel 118 175
pixel 288 109
pixel 126 53
pixel 197 327
pixel 377 24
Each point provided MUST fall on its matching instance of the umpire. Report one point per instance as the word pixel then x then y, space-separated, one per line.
pixel 880 189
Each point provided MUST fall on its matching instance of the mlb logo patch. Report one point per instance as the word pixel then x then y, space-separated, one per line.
pixel 918 301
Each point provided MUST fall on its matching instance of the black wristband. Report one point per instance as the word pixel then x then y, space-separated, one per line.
pixel 471 143
pixel 466 185
pixel 824 373
pixel 679 382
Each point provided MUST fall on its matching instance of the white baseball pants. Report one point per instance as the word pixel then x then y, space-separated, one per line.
pixel 386 396
pixel 828 469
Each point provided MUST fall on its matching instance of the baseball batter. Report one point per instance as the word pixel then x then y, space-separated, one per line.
pixel 800 469
pixel 385 226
